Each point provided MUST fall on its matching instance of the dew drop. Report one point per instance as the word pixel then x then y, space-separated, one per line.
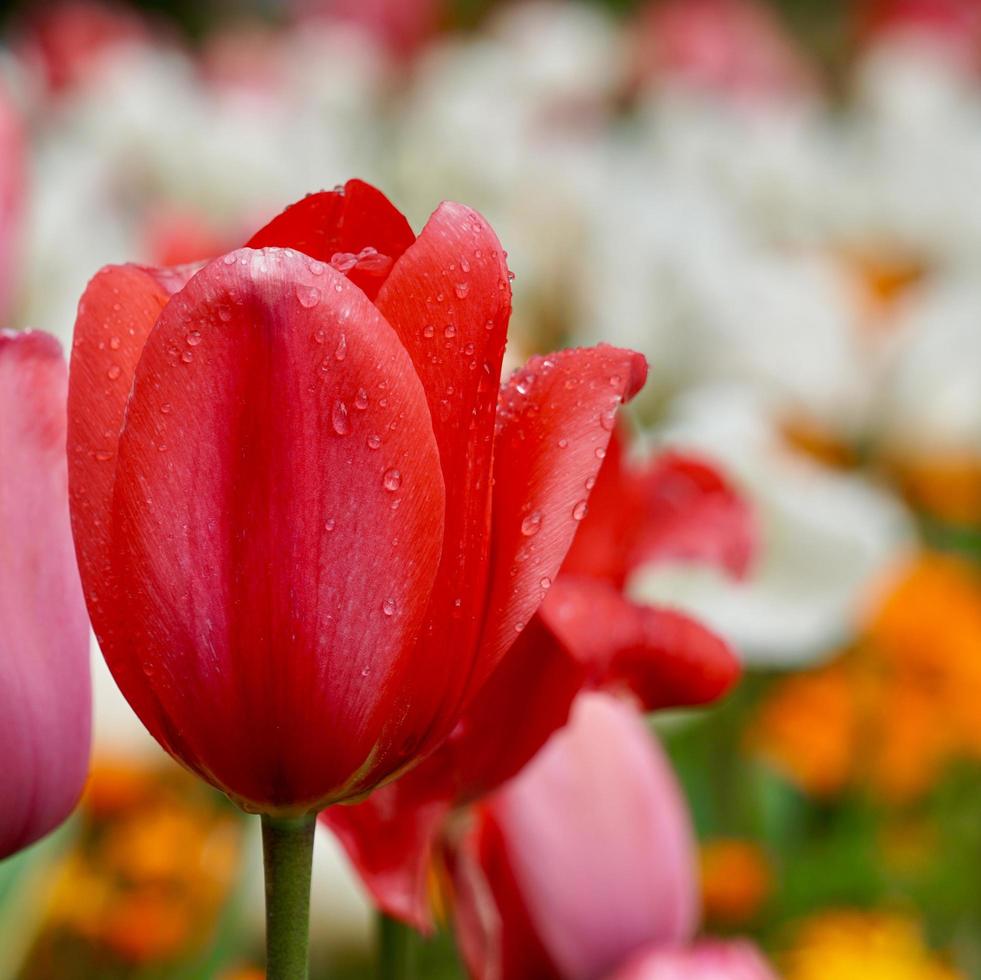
pixel 531 524
pixel 104 455
pixel 563 443
pixel 579 511
pixel 193 338
pixel 608 420
pixel 187 357
pixel 309 296
pixel 341 351
pixel 114 343
pixel 450 330
pixel 339 419
pixel 391 480
pixel 320 336
pixel 388 607
pixel 599 452
pixel 461 289
pixel 546 582
pixel 114 372
pixel 361 400
pixel 166 408
pixel 330 524
pixel 374 441
pixel 590 482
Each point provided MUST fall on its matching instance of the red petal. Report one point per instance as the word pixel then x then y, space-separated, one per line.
pixel 115 316
pixel 555 419
pixel 449 300
pixel 390 837
pixel 390 840
pixel 342 222
pixel 664 658
pixel 277 515
pixel 45 707
pixel 605 538
pixel 690 511
pixel 13 172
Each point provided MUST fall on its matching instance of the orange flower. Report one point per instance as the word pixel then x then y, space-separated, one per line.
pixel 808 729
pixel 736 880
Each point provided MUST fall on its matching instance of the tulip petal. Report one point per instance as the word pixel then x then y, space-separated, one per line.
pixel 710 959
pixel 664 658
pixel 12 180
pixel 555 419
pixel 691 512
pixel 45 700
pixel 449 300
pixel 390 838
pixel 336 226
pixel 594 840
pixel 277 516
pixel 115 315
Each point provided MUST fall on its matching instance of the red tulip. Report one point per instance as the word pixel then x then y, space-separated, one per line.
pixel 12 176
pixel 583 859
pixel 708 960
pixel 309 520
pixel 587 635
pixel 45 702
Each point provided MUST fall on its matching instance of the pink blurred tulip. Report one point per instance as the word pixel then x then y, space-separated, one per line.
pixel 45 702
pixel 12 175
pixel 733 48
pixel 583 859
pixel 952 25
pixel 709 960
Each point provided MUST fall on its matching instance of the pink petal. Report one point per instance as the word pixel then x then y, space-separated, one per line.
pixel 706 960
pixel 45 701
pixel 12 179
pixel 597 839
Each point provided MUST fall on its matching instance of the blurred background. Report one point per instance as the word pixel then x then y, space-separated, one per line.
pixel 780 205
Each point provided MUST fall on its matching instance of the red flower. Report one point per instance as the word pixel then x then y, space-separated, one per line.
pixel 300 500
pixel 45 705
pixel 586 635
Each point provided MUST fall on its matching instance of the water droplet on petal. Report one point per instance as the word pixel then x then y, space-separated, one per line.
pixel 114 372
pixel 309 296
pixel 546 582
pixel 461 289
pixel 579 511
pixel 166 408
pixel 187 357
pixel 339 419
pixel 388 607
pixel 341 352
pixel 531 524
pixel 361 400
pixel 374 441
pixel 450 330
pixel 193 338
pixel 330 524
pixel 391 480
pixel 114 343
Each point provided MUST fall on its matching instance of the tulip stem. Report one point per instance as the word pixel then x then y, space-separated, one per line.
pixel 396 949
pixel 287 850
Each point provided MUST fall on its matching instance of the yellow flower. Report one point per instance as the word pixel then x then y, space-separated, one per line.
pixel 863 946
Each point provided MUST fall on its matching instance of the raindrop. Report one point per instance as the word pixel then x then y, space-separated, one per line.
pixel 391 480
pixel 608 420
pixel 114 343
pixel 546 582
pixel 388 607
pixel 590 482
pixel 330 524
pixel 461 289
pixel 166 408
pixel 309 296
pixel 450 330
pixel 428 330
pixel 104 455
pixel 361 400
pixel 193 338
pixel 341 352
pixel 339 419
pixel 374 441
pixel 531 524
pixel 114 372
pixel 599 452
pixel 579 511
pixel 187 357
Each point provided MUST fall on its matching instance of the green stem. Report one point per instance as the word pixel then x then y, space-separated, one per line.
pixel 396 949
pixel 287 850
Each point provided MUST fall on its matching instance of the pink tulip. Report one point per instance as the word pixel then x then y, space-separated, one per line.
pixel 11 197
pixel 709 960
pixel 44 639
pixel 583 859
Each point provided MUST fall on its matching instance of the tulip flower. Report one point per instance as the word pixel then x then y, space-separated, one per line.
pixel 310 521
pixel 585 861
pixel 587 635
pixel 45 702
